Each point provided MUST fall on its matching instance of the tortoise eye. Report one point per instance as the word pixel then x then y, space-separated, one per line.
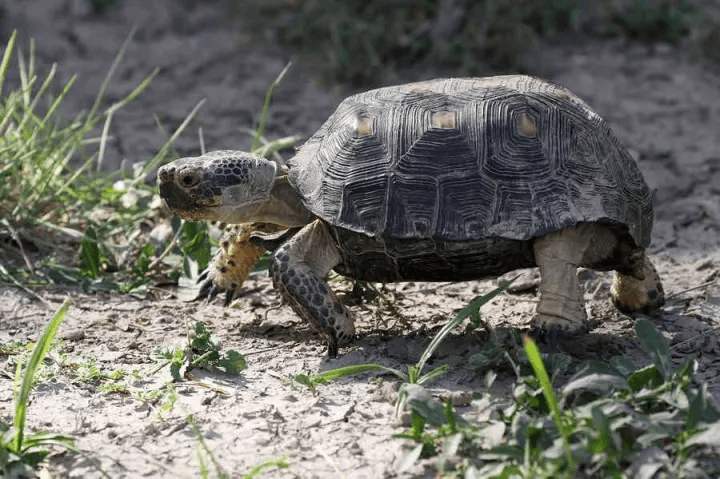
pixel 189 178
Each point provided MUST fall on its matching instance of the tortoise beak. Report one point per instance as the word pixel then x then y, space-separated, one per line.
pixel 174 197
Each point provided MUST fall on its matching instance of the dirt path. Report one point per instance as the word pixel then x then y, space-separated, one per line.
pixel 661 105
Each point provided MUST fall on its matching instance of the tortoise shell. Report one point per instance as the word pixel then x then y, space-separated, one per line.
pixel 484 160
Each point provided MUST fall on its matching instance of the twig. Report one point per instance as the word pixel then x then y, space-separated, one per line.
pixel 16 237
pixel 259 351
pixel 330 461
pixel 167 250
pixel 709 283
pixel 274 308
pixel 16 283
pixel 692 338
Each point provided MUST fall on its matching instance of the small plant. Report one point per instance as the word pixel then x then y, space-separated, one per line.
pixel 610 420
pixel 203 350
pixel 21 452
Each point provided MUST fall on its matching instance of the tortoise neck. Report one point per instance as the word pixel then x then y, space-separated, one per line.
pixel 284 207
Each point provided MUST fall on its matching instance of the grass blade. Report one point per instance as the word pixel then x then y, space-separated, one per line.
pixel 256 471
pixel 333 374
pixel 533 354
pixel 39 352
pixel 219 471
pixel 266 107
pixel 160 156
pixel 6 58
pixel 472 309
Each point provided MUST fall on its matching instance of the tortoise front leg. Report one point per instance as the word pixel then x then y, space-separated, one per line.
pixel 298 269
pixel 234 261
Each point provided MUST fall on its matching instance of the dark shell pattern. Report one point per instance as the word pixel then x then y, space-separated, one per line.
pixel 449 179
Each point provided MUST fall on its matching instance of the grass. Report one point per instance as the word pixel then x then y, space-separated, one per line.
pixel 21 452
pixel 67 221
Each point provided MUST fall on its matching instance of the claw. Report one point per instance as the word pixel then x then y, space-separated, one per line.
pixel 229 295
pixel 204 290
pixel 332 348
pixel 203 276
pixel 213 293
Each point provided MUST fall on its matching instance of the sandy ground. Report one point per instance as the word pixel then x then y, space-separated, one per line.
pixel 665 108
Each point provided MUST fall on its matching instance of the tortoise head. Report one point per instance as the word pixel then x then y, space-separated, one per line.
pixel 228 186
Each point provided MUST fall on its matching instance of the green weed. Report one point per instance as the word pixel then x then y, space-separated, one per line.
pixel 610 420
pixel 203 350
pixel 21 452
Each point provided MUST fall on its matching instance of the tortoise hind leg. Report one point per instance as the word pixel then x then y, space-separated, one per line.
pixel 640 291
pixel 562 306
pixel 298 269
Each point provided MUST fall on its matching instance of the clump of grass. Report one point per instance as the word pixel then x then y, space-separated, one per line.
pixel 52 200
pixel 67 221
pixel 610 420
pixel 22 452
pixel 203 350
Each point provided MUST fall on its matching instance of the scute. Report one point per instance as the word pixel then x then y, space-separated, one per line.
pixel 510 157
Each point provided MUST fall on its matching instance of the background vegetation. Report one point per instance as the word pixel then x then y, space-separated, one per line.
pixel 358 42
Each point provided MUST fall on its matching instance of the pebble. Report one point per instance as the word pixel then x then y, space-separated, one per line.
pixel 73 335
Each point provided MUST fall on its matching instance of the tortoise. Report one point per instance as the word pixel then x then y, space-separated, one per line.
pixel 441 180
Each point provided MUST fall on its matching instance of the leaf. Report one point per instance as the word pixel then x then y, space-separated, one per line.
pixel 305 380
pixel 493 434
pixel 232 362
pixel 533 354
pixel 256 471
pixel 333 374
pixel 489 356
pixel 409 459
pixel 424 406
pixel 433 374
pixel 696 406
pixel 195 245
pixel 600 383
pixel 42 346
pixel 602 428
pixel 647 463
pixel 622 365
pixel 451 444
pixel 471 310
pixel 647 377
pixel 655 345
pixel 175 370
pixel 431 411
pixel 90 253
pixel 707 437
